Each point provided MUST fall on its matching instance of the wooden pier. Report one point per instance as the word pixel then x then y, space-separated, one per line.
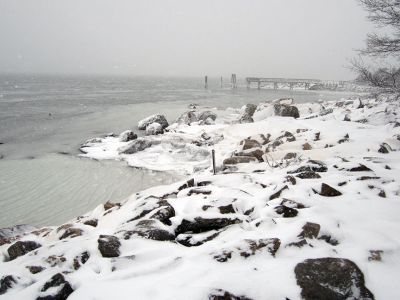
pixel 292 83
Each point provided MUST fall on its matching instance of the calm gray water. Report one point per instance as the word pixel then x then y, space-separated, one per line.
pixel 43 119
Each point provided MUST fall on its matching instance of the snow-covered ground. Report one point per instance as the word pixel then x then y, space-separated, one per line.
pixel 313 213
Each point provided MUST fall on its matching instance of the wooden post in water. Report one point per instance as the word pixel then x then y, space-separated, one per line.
pixel 213 161
pixel 221 82
pixel 233 81
pixel 206 82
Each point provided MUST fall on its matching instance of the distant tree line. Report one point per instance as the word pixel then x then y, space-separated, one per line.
pixel 385 14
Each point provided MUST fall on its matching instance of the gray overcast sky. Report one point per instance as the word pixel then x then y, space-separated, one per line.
pixel 274 38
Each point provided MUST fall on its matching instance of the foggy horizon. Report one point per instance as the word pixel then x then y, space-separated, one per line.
pixel 285 38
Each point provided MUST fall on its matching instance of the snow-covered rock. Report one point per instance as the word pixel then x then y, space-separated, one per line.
pixel 160 119
pixel 154 129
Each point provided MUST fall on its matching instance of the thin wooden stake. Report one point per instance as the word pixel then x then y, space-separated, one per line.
pixel 213 161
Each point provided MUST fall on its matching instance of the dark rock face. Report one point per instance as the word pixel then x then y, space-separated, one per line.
pixel 6 283
pixel 149 229
pixel 360 168
pixel 310 230
pixel 199 224
pixel 278 193
pixel 308 175
pixel 138 145
pixel 224 295
pixel 284 110
pixel 91 222
pixel 127 136
pixel 331 279
pixel 286 212
pixel 227 209
pixel 239 160
pixel 187 118
pixel 21 248
pixel 63 291
pixel 328 191
pixel 160 119
pixel 109 245
pixel 35 269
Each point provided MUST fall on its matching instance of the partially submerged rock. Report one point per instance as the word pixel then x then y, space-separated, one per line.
pixel 160 119
pixel 331 279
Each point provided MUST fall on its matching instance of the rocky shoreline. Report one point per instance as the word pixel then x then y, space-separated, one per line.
pixel 304 205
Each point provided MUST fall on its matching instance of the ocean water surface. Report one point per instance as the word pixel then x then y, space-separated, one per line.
pixel 44 119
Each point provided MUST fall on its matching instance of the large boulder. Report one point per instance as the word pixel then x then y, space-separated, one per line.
pixel 61 289
pixel 331 279
pixel 21 248
pixel 247 116
pixel 187 118
pixel 154 129
pixel 284 110
pixel 160 119
pixel 108 245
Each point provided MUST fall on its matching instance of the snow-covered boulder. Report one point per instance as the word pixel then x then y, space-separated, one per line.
pixel 286 111
pixel 331 278
pixel 154 129
pixel 160 119
pixel 247 116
